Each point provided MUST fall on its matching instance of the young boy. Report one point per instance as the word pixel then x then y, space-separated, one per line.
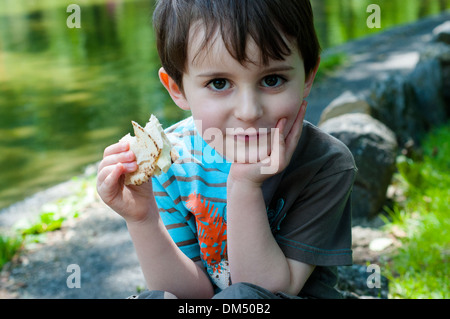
pixel 258 205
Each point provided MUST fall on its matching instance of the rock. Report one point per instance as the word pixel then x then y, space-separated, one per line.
pixel 439 52
pixel 413 104
pixel 442 33
pixel 380 244
pixel 355 283
pixel 374 148
pixel 362 237
pixel 346 103
pixel 426 82
pixel 394 103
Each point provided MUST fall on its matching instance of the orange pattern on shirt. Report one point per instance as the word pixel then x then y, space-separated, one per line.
pixel 211 230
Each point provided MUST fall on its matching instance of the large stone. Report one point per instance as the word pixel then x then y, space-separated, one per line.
pixel 346 103
pixel 442 33
pixel 426 81
pixel 374 148
pixel 413 104
pixel 394 103
pixel 438 55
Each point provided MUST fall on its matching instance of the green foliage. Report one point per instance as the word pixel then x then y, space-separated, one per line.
pixel 9 245
pixel 340 21
pixel 410 171
pixel 421 267
pixel 48 221
pixel 51 218
pixel 330 63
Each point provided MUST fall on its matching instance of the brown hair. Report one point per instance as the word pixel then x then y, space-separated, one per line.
pixel 267 22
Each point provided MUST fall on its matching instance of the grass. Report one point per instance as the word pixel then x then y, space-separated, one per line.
pixel 48 221
pixel 421 267
pixel 51 218
pixel 9 246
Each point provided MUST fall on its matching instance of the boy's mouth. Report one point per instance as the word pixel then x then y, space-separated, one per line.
pixel 248 135
pixel 247 145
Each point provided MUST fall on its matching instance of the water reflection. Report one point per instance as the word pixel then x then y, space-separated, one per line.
pixel 67 93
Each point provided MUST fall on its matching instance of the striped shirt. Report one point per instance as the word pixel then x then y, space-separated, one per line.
pixel 191 198
pixel 308 205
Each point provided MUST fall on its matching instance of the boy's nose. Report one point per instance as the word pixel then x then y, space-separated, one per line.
pixel 248 106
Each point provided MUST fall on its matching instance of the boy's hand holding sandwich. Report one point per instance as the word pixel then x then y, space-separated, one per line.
pixel 127 167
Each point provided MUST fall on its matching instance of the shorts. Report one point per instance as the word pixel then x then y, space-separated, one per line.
pixel 239 290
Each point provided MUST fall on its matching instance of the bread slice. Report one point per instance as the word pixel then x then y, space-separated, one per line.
pixel 153 150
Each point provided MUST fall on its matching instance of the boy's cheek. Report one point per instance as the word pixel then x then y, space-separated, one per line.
pixel 289 112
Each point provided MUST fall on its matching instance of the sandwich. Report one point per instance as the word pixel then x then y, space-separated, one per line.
pixel 153 150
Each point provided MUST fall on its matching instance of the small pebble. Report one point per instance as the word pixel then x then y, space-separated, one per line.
pixel 380 244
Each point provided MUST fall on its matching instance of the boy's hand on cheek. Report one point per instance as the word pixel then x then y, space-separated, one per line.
pixel 283 147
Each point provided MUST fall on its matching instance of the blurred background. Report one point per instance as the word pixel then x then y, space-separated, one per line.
pixel 65 94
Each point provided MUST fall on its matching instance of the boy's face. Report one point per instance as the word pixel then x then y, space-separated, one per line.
pixel 238 105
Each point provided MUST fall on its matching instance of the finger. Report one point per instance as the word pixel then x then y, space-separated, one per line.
pixel 124 157
pixel 295 130
pixel 295 133
pixel 103 173
pixel 273 163
pixel 109 186
pixel 115 154
pixel 116 148
pixel 284 147
pixel 113 177
pixel 281 125
pixel 106 171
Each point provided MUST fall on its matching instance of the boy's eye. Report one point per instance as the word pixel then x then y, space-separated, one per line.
pixel 219 84
pixel 272 81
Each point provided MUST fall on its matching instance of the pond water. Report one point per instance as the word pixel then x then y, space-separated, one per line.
pixel 66 93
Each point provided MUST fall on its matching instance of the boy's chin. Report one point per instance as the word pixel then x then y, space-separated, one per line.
pixel 246 156
pixel 242 152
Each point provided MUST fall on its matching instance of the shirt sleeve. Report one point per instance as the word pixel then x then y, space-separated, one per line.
pixel 179 222
pixel 316 229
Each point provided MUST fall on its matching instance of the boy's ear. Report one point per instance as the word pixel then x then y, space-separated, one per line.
pixel 175 93
pixel 310 80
